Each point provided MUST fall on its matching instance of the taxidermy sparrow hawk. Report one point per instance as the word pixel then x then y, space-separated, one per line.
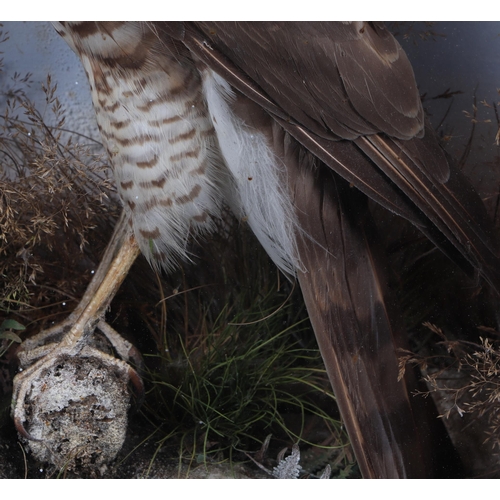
pixel 293 126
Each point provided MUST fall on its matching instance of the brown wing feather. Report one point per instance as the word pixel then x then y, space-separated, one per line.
pixel 321 74
pixel 345 295
pixel 353 81
pixel 452 206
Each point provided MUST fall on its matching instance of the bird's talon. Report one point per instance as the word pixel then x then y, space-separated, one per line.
pixel 138 385
pixel 20 428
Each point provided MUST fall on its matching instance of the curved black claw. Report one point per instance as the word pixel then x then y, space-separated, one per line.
pixel 136 357
pixel 20 428
pixel 138 384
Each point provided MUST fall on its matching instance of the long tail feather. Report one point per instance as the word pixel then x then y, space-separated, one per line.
pixel 346 297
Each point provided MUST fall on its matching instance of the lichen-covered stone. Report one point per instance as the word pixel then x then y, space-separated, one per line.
pixel 78 410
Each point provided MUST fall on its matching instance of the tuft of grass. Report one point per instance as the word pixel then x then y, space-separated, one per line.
pixel 249 374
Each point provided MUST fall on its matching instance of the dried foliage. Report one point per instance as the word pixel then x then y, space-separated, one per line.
pixel 53 192
pixel 475 387
pixel 288 467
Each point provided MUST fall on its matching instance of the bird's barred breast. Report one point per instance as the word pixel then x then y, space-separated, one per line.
pixel 155 126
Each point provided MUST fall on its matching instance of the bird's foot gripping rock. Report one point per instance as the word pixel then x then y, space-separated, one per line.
pixel 70 401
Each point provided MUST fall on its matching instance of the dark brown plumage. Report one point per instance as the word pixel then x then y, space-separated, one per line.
pixel 353 81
